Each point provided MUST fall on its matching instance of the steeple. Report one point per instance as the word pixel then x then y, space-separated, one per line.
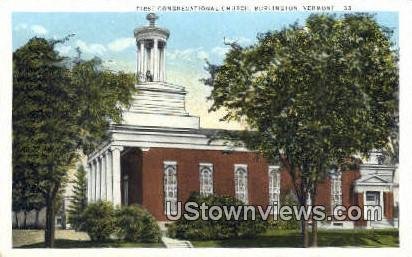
pixel 151 43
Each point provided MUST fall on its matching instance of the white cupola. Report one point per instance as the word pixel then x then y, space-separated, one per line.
pixel 151 44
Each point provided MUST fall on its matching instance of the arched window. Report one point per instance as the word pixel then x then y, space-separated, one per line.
pixel 170 187
pixel 274 185
pixel 336 188
pixel 241 189
pixel 206 178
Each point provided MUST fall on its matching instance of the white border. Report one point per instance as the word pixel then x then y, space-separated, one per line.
pixel 8 6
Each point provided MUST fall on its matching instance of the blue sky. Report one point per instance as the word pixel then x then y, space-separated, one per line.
pixel 194 37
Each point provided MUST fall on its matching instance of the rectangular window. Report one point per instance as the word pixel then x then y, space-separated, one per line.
pixel 274 185
pixel 372 198
pixel 241 189
pixel 206 178
pixel 336 188
pixel 170 186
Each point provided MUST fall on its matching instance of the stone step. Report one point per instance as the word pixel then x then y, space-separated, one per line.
pixel 175 243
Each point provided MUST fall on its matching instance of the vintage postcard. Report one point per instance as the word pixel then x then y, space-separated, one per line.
pixel 211 126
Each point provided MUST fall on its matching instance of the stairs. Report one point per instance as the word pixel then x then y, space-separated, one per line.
pixel 175 243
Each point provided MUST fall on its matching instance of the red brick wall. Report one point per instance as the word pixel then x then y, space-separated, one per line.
pixel 359 201
pixel 388 205
pixel 148 166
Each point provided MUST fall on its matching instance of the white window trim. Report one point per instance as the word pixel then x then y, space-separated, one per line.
pixel 276 188
pixel 166 165
pixel 336 189
pixel 246 193
pixel 203 165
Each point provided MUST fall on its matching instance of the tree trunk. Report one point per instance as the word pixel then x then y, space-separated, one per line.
pixel 314 233
pixel 36 222
pixel 314 222
pixel 50 221
pixel 305 237
pixel 17 219
pixel 25 219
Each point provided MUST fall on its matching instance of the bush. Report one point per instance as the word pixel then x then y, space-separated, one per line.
pixel 99 220
pixel 136 224
pixel 287 199
pixel 214 230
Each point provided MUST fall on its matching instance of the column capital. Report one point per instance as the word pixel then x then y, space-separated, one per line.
pixel 116 147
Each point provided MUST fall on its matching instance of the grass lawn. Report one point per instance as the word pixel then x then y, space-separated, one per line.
pixel 66 243
pixel 328 238
pixel 68 239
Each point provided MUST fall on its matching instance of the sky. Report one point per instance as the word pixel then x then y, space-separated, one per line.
pixel 194 37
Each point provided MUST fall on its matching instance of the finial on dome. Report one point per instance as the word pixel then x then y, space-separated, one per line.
pixel 152 17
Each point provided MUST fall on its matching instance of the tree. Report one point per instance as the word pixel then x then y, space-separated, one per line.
pixel 79 200
pixel 59 108
pixel 312 95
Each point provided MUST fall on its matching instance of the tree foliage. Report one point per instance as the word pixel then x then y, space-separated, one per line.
pixel 99 220
pixel 136 224
pixel 79 200
pixel 312 95
pixel 59 108
pixel 222 228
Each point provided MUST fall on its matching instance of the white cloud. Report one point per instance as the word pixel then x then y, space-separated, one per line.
pixel 240 40
pixel 121 44
pixel 21 26
pixel 220 51
pixel 119 65
pixel 202 55
pixel 189 54
pixel 97 49
pixel 38 29
pixel 64 49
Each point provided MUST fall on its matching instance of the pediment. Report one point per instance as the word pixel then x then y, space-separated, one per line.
pixel 373 179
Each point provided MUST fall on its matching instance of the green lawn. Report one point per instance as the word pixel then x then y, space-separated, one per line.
pixel 67 239
pixel 66 243
pixel 272 238
pixel 329 238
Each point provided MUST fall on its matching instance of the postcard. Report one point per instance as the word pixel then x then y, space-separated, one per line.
pixel 174 128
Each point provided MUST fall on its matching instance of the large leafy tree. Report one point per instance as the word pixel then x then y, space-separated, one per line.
pixel 59 107
pixel 312 95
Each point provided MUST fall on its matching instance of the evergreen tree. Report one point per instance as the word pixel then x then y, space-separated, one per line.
pixel 79 200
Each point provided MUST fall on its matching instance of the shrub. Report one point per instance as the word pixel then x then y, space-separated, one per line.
pixel 287 199
pixel 220 229
pixel 136 224
pixel 99 220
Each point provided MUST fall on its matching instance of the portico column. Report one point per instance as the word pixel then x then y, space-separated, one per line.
pixel 89 182
pixel 109 174
pixel 104 178
pixel 98 178
pixel 116 175
pixel 93 163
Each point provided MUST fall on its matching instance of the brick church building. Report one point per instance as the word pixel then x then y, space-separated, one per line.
pixel 160 153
